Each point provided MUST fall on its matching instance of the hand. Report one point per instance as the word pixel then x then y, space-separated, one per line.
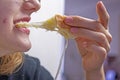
pixel 92 38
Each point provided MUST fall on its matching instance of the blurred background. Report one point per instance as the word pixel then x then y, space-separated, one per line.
pixel 48 46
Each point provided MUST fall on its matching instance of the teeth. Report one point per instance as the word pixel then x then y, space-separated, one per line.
pixel 22 24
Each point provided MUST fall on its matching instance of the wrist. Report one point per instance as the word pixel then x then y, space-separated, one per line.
pixel 95 75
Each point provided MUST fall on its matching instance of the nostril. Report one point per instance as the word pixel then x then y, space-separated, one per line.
pixel 37 5
pixel 31 5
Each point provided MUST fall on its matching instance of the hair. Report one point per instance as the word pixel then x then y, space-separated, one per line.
pixel 9 63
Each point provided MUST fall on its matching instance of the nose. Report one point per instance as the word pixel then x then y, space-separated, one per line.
pixel 31 5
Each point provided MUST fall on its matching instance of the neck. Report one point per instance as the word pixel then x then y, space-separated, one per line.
pixel 5 52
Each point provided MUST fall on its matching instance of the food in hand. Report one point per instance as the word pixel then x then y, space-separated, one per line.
pixel 52 24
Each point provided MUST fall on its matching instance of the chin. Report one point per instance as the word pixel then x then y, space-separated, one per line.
pixel 24 47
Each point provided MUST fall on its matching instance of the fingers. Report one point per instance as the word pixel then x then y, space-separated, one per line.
pixel 87 48
pixel 96 37
pixel 101 52
pixel 103 15
pixel 81 22
pixel 93 30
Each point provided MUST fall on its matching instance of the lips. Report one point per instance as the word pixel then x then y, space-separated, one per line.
pixel 23 29
pixel 24 19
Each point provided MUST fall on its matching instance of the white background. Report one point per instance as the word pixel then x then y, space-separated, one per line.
pixel 46 45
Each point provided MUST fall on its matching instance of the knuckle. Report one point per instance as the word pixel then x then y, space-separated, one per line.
pixel 102 37
pixel 103 52
pixel 97 26
pixel 104 42
pixel 110 38
pixel 107 18
pixel 108 48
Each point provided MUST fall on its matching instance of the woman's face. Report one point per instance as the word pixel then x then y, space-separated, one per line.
pixel 14 39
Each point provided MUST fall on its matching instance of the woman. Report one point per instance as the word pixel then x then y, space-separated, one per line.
pixel 92 38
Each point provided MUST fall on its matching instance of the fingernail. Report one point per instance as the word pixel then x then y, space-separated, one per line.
pixel 68 19
pixel 74 30
pixel 101 4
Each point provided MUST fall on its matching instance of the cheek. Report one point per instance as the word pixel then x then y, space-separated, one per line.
pixel 4 21
pixel 5 16
pixel 5 24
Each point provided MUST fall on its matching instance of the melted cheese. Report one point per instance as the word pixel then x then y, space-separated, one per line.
pixel 52 24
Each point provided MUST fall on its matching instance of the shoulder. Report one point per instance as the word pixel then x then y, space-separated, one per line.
pixel 34 69
pixel 31 61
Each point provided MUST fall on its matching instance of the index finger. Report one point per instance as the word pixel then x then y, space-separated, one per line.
pixel 103 15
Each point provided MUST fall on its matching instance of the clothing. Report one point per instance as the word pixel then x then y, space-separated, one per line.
pixel 31 70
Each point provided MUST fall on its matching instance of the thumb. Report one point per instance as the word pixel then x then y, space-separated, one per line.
pixel 103 16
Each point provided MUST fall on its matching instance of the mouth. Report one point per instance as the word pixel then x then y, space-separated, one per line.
pixel 23 19
pixel 22 28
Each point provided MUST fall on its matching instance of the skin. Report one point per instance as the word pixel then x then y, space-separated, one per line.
pixel 93 44
pixel 13 39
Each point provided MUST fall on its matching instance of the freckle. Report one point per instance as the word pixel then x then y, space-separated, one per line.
pixel 5 20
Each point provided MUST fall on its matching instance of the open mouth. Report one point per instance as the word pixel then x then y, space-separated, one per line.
pixel 22 24
pixel 22 27
pixel 22 21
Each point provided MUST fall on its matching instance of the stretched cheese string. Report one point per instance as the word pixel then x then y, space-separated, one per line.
pixel 61 58
pixel 51 24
